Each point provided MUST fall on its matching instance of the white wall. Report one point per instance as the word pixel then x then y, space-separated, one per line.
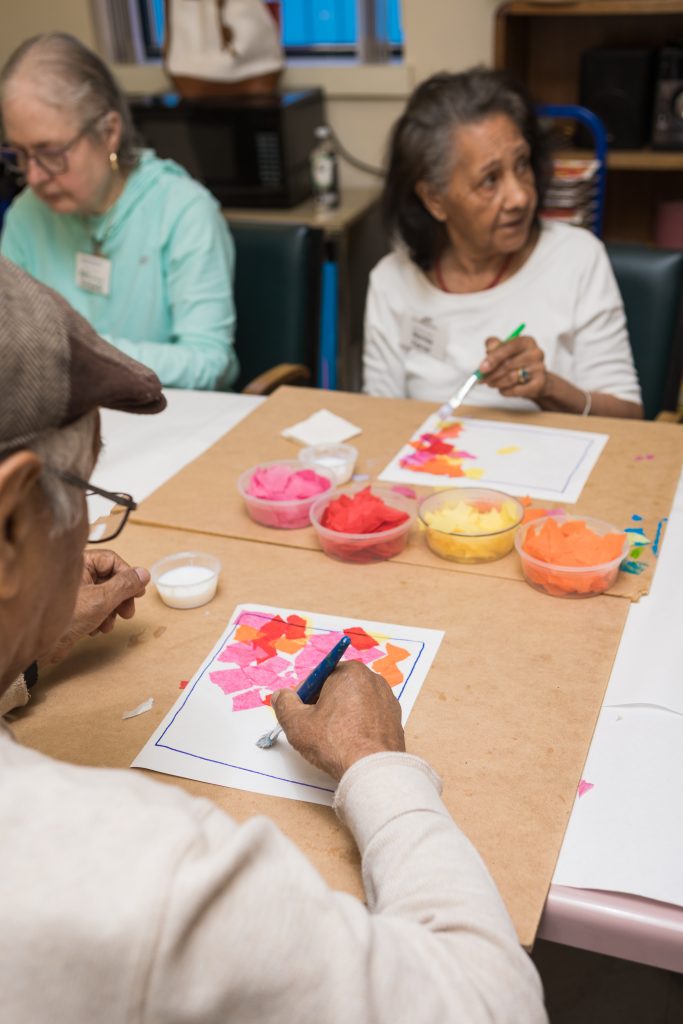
pixel 362 101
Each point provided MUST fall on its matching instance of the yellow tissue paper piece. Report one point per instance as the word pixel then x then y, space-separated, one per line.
pixel 474 474
pixel 509 450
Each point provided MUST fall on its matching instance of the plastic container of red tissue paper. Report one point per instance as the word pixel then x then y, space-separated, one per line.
pixel 378 544
pixel 285 475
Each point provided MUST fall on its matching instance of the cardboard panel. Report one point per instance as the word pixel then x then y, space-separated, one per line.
pixel 506 715
pixel 204 497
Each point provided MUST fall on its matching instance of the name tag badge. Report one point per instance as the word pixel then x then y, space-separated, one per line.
pixel 426 337
pixel 93 273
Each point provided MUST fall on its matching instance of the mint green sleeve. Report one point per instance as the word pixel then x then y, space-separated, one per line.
pixel 198 263
pixel 11 245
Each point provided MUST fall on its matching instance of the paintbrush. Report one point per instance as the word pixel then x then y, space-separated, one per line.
pixel 311 686
pixel 461 394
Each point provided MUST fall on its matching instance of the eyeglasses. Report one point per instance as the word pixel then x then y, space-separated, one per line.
pixel 114 514
pixel 52 161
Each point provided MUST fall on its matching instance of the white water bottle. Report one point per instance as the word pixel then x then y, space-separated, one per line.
pixel 324 174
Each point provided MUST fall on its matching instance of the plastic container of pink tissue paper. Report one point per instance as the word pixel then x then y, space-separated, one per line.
pixel 280 494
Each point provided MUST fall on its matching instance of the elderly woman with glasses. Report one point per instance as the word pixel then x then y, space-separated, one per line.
pixel 477 281
pixel 135 245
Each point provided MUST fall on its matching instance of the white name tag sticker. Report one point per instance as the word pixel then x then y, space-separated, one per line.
pixel 426 337
pixel 93 273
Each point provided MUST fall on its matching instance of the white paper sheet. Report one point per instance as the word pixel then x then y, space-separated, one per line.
pixel 626 833
pixel 141 453
pixel 541 462
pixel 648 668
pixel 210 733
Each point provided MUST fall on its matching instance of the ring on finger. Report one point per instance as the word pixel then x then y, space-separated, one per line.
pixel 523 375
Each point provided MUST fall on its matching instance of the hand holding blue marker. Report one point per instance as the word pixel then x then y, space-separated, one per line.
pixel 311 686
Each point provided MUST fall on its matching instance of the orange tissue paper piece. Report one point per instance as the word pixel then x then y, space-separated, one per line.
pixel 245 634
pixel 452 430
pixel 442 465
pixel 388 668
pixel 288 646
pixel 363 512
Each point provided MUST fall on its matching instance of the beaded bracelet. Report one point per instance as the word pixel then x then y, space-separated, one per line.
pixel 589 403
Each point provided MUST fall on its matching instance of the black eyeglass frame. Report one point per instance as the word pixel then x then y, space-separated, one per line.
pixel 118 497
pixel 61 152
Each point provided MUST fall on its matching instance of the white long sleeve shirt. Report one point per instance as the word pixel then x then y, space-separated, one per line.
pixel 124 900
pixel 421 342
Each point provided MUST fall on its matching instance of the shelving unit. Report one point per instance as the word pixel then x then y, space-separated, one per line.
pixel 542 43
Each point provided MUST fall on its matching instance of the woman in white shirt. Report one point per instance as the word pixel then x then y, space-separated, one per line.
pixel 473 262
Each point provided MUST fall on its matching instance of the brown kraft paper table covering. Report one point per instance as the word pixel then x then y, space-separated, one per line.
pixel 204 497
pixel 505 716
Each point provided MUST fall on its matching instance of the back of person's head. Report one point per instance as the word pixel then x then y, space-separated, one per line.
pixel 421 148
pixel 63 73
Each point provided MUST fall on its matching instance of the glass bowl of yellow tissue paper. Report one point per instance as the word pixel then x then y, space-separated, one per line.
pixel 470 524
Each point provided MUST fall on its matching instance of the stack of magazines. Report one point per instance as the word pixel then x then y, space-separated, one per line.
pixel 572 194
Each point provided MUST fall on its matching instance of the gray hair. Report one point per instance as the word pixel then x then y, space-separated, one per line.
pixel 72 450
pixel 421 148
pixel 70 77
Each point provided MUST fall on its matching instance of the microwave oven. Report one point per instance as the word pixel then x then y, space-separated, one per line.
pixel 247 150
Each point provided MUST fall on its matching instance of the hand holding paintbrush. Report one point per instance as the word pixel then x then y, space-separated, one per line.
pixel 449 407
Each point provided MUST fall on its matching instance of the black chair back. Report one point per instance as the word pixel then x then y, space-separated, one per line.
pixel 278 270
pixel 651 285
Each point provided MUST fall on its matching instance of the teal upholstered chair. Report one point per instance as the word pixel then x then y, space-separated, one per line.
pixel 651 284
pixel 277 298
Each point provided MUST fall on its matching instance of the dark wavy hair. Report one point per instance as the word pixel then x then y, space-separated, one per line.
pixel 420 148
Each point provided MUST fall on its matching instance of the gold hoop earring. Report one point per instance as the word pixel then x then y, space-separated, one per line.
pixel 114 162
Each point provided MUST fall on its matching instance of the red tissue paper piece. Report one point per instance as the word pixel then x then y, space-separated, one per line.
pixel 360 639
pixel 277 483
pixel 361 513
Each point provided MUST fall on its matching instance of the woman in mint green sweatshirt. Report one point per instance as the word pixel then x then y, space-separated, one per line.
pixel 133 242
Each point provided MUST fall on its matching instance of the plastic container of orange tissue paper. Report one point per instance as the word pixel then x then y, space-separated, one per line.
pixel 571 556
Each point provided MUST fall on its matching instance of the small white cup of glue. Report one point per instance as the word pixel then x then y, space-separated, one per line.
pixel 186 580
pixel 338 459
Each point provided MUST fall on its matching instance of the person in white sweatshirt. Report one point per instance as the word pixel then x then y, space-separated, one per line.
pixel 125 900
pixel 473 264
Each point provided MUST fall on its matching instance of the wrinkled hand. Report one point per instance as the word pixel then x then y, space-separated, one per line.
pixel 108 588
pixel 356 715
pixel 508 363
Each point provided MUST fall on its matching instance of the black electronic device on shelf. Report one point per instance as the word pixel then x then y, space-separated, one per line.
pixel 667 128
pixel 617 85
pixel 250 150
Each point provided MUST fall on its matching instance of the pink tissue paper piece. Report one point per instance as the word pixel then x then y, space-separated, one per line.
pixel 255 619
pixel 404 489
pixel 278 483
pixel 240 654
pixel 258 676
pixel 246 701
pixel 366 656
pixel 585 787
pixel 230 680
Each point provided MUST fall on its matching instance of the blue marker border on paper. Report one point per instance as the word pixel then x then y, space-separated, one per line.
pixel 209 662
